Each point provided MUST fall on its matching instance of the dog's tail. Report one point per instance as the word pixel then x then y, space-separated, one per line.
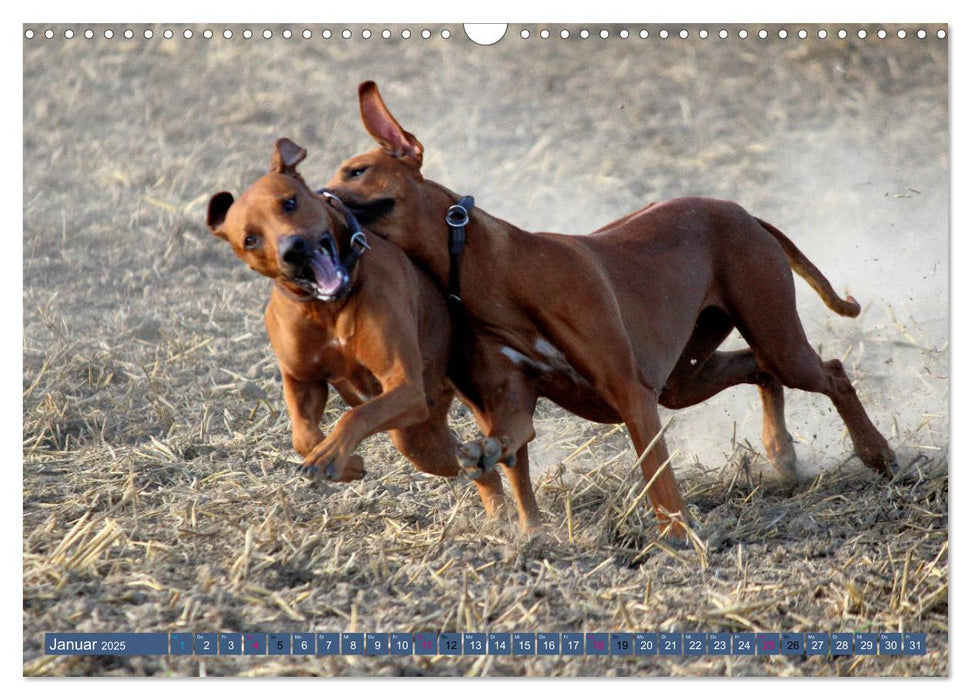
pixel 809 272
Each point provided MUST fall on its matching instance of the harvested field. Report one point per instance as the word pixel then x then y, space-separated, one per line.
pixel 159 491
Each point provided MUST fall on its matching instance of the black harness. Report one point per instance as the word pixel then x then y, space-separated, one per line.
pixel 457 217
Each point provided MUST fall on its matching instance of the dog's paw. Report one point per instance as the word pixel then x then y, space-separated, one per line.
pixel 883 461
pixel 890 469
pixel 783 459
pixel 479 457
pixel 351 470
pixel 308 471
pixel 679 533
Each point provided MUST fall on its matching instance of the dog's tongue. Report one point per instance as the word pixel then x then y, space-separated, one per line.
pixel 326 276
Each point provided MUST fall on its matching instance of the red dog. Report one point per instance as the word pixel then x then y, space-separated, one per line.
pixel 612 324
pixel 353 313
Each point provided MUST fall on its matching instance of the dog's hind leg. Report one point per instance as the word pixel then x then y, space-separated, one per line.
pixel 701 373
pixel 506 421
pixel 769 322
pixel 727 369
pixel 775 436
pixel 808 372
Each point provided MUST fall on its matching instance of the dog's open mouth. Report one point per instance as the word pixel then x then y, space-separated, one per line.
pixel 322 275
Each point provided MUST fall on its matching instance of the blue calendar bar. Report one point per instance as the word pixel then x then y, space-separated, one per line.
pixel 669 643
pixel 743 644
pixel 719 644
pixel 426 643
pixel 865 644
pixel 598 644
pixel 619 644
pixel 817 644
pixel 793 644
pixel 841 644
pixel 768 644
pixel 206 644
pixel 915 643
pixel 376 643
pixel 328 644
pixel 500 644
pixel 571 643
pixel 352 644
pixel 891 644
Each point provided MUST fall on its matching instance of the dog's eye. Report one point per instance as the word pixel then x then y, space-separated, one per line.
pixel 251 241
pixel 356 172
pixel 290 205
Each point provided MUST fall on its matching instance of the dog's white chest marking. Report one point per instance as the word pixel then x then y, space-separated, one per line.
pixel 520 360
pixel 557 359
pixel 553 360
pixel 546 349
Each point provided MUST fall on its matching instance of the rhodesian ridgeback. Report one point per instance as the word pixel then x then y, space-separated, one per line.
pixel 613 324
pixel 349 311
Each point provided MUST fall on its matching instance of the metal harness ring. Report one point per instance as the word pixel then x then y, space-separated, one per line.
pixel 359 239
pixel 457 210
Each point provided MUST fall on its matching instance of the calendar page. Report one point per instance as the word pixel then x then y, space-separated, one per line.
pixel 537 349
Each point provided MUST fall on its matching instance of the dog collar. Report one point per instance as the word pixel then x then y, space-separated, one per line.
pixel 358 245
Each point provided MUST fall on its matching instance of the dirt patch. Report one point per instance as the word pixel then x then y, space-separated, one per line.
pixel 159 492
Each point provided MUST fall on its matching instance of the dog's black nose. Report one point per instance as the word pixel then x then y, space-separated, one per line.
pixel 294 249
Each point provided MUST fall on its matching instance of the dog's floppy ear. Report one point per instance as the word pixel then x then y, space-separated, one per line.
pixel 286 156
pixel 216 214
pixel 383 127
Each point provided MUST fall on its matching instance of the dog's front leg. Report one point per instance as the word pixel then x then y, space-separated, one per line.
pixel 305 403
pixel 505 417
pixel 401 405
